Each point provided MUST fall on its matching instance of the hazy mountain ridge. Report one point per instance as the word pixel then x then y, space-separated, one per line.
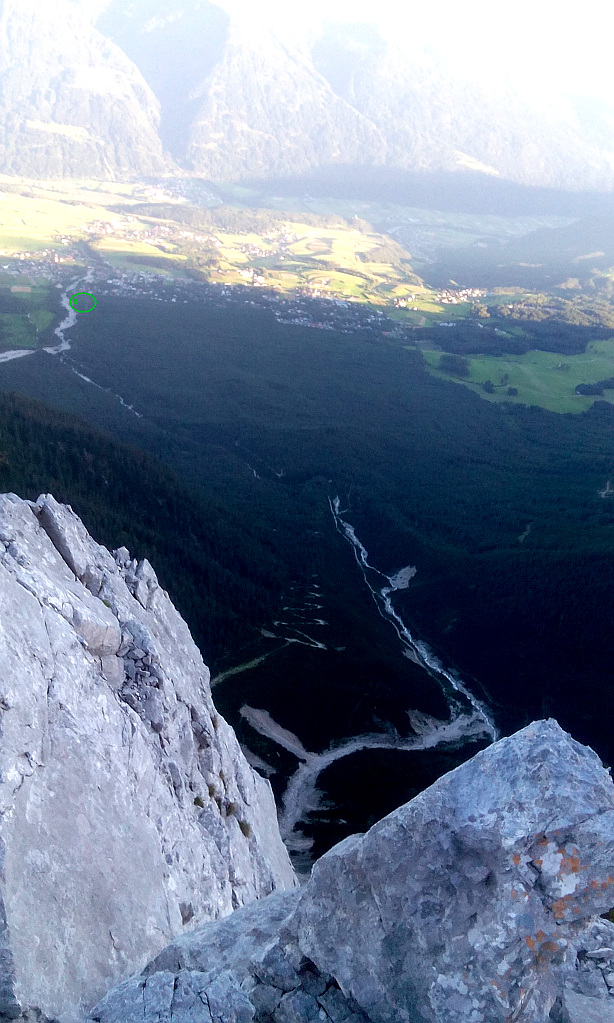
pixel 434 117
pixel 267 111
pixel 71 102
pixel 104 87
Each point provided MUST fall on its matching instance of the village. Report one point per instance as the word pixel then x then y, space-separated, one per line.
pixel 304 310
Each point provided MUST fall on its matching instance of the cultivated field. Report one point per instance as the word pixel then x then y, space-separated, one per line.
pixel 332 259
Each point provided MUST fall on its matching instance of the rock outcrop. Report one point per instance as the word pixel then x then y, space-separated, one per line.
pixel 127 810
pixel 129 819
pixel 477 902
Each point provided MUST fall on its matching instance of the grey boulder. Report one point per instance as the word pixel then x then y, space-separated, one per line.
pixel 476 902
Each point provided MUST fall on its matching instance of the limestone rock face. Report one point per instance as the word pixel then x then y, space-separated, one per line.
pixel 127 810
pixel 476 902
pixel 464 901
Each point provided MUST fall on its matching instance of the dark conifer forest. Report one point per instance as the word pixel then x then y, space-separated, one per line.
pixel 264 423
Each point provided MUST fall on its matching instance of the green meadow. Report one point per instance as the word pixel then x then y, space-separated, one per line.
pixel 21 330
pixel 334 261
pixel 138 256
pixel 24 315
pixel 547 379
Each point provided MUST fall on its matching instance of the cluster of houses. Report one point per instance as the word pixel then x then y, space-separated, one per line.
pixel 305 311
pixel 448 297
pixel 310 307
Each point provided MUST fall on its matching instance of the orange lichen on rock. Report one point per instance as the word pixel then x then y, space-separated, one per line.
pixel 514 893
pixel 549 946
pixel 530 942
pixel 516 858
pixel 559 907
pixel 537 863
pixel 540 935
pixel 569 864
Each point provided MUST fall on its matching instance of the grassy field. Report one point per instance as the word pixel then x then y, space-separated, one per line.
pixel 33 223
pixel 24 315
pixel 546 379
pixel 36 215
pixel 16 331
pixel 334 260
pixel 139 256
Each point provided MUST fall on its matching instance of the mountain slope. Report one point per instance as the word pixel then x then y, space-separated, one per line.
pixel 112 88
pixel 267 112
pixel 435 117
pixel 71 103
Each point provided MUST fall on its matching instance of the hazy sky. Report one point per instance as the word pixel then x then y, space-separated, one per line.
pixel 537 41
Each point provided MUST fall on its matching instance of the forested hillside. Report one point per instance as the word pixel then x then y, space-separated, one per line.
pixel 219 574
pixel 71 102
pixel 266 422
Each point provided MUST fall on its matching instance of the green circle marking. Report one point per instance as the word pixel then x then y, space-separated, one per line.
pixel 77 295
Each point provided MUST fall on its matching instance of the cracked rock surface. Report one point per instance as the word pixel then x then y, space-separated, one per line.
pixel 476 902
pixel 128 812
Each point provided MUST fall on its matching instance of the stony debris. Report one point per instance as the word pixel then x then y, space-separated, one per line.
pixel 244 968
pixel 476 902
pixel 589 980
pixel 110 746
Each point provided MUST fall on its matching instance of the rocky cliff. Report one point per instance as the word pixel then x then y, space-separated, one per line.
pixel 127 810
pixel 477 902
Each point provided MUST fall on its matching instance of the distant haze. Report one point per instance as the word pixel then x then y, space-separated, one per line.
pixel 237 91
pixel 535 43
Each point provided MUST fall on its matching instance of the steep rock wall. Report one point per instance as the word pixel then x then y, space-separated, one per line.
pixel 127 810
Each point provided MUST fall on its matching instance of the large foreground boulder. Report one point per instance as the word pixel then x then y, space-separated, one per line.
pixel 477 902
pixel 127 809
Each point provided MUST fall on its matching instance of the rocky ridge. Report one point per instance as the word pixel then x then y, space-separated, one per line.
pixel 127 809
pixel 476 902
